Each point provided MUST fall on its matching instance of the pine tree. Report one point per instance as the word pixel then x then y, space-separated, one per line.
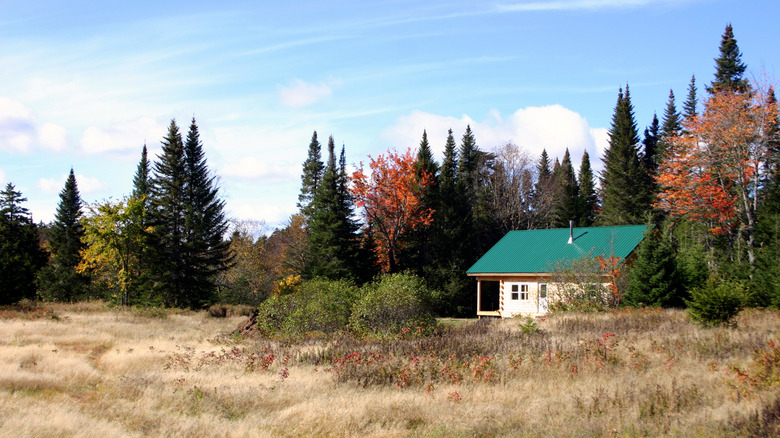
pixel 313 169
pixel 167 215
pixel 417 252
pixel 544 193
pixel 567 206
pixel 671 126
pixel 625 192
pixel 21 256
pixel 332 240
pixel 205 249
pixel 729 68
pixel 653 278
pixel 650 155
pixel 588 196
pixel 691 103
pixel 141 179
pixel 59 280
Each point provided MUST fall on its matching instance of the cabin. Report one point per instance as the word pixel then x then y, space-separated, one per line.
pixel 522 273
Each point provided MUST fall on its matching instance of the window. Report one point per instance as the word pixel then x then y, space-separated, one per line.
pixel 519 291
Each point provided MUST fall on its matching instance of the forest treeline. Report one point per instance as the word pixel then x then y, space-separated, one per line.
pixel 705 176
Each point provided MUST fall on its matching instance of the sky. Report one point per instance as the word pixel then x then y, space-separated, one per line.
pixel 85 84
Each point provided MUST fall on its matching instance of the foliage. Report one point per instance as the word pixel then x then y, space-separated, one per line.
pixel 392 303
pixel 59 281
pixel 21 256
pixel 249 280
pixel 587 284
pixel 713 173
pixel 313 169
pixel 332 251
pixel 653 276
pixel 729 68
pixel 390 199
pixel 717 301
pixel 114 236
pixel 624 183
pixel 317 305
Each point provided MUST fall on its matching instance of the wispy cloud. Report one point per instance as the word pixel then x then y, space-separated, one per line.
pixel 122 136
pixel 86 185
pixel 559 5
pixel 300 94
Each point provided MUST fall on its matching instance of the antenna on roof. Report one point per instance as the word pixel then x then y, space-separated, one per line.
pixel 571 232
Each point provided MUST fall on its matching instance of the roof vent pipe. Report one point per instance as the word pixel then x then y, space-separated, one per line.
pixel 571 232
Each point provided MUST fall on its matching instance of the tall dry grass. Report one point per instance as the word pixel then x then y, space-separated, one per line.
pixel 92 371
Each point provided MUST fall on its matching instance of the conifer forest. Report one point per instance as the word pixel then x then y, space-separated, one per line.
pixel 704 176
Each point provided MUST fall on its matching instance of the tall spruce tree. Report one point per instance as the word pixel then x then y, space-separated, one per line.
pixel 167 214
pixel 417 252
pixel 544 193
pixel 313 169
pixel 141 178
pixel 567 206
pixel 650 156
pixel 206 252
pixel 671 126
pixel 691 102
pixel 332 239
pixel 21 256
pixel 59 280
pixel 588 196
pixel 729 68
pixel 625 192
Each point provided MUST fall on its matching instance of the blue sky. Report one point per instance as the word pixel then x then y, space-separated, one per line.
pixel 86 84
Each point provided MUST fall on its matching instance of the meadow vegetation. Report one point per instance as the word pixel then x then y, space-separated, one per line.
pixel 91 370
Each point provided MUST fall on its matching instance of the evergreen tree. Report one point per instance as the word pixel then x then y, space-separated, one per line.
pixel 21 256
pixel 671 126
pixel 417 252
pixel 468 168
pixel 544 193
pixel 625 192
pixel 588 197
pixel 206 252
pixel 313 169
pixel 653 278
pixel 167 213
pixel 650 155
pixel 332 240
pixel 141 179
pixel 689 107
pixel 567 204
pixel 729 68
pixel 59 280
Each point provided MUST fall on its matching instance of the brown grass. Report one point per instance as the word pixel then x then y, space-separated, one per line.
pixel 95 371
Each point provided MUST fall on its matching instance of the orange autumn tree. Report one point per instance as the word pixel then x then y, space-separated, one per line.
pixel 712 172
pixel 390 199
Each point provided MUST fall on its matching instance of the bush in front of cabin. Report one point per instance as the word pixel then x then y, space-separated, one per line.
pixel 717 302
pixel 391 304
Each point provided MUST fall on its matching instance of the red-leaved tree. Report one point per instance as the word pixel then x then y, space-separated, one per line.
pixel 712 172
pixel 390 199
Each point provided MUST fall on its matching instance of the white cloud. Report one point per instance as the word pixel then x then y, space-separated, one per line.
pixel 17 126
pixel 299 93
pixel 2 178
pixel 85 184
pixel 122 136
pixel 53 137
pixel 257 169
pixel 552 127
pixel 272 214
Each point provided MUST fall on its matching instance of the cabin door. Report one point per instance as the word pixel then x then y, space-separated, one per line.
pixel 542 298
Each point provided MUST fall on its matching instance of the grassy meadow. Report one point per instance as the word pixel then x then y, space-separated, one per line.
pixel 87 370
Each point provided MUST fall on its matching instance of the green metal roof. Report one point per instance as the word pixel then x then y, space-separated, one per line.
pixel 540 251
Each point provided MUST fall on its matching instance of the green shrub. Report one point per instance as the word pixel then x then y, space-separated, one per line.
pixel 315 306
pixel 392 303
pixel 323 306
pixel 717 301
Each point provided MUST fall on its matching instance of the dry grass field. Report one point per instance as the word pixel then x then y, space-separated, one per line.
pixel 86 370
